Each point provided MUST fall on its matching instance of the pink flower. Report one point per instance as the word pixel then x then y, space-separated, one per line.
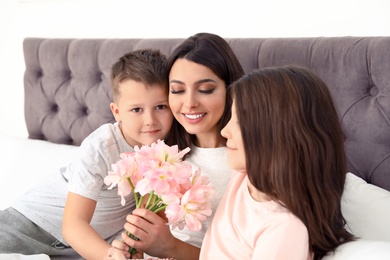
pixel 194 206
pixel 124 174
pixel 159 172
pixel 163 170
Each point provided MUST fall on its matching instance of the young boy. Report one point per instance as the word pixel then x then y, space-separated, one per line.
pixel 90 214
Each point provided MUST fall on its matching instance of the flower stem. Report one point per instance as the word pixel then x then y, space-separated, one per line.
pixel 139 203
pixel 157 209
pixel 132 189
pixel 157 203
pixel 151 197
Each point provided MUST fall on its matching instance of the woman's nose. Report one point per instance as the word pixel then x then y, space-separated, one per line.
pixel 190 100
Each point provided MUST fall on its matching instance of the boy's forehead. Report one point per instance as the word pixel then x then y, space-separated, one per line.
pixel 135 89
pixel 131 83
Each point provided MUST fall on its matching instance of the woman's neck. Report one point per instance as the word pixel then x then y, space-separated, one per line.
pixel 209 142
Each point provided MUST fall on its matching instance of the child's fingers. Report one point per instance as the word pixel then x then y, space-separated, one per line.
pixel 116 254
pixel 120 245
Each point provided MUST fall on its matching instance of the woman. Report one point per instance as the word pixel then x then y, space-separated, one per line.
pixel 201 70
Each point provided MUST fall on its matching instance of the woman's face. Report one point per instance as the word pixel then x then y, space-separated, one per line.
pixel 197 99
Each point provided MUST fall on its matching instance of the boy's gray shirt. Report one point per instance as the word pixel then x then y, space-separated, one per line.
pixel 44 204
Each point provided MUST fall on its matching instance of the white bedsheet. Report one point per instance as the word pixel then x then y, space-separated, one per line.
pixel 23 257
pixel 26 162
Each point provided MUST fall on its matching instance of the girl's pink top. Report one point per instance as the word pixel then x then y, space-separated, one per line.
pixel 243 228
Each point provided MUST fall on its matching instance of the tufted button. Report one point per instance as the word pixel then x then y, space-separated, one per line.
pixel 39 73
pixel 54 108
pixel 68 74
pixel 374 91
pixel 86 111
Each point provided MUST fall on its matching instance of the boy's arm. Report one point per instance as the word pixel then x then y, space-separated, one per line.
pixel 77 230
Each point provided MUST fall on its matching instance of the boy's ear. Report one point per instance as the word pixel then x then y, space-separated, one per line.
pixel 115 111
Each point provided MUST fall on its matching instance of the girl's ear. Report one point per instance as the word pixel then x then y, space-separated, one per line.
pixel 115 111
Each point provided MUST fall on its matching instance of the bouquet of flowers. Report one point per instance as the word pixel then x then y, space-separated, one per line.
pixel 158 173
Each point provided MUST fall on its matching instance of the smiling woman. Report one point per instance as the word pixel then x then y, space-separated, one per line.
pixel 197 99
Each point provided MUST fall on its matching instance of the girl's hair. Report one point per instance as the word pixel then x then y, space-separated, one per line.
pixel 294 148
pixel 214 52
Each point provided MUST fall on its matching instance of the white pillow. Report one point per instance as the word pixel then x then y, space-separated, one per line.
pixel 26 162
pixel 361 250
pixel 366 208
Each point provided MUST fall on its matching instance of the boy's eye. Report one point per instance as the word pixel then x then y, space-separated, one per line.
pixel 136 110
pixel 161 107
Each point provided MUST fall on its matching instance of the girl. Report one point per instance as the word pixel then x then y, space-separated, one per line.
pixel 285 143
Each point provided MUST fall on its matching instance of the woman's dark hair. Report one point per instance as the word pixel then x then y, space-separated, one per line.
pixel 294 148
pixel 215 53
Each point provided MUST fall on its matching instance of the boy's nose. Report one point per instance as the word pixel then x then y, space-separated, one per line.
pixel 150 118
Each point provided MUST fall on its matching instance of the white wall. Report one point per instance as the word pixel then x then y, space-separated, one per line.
pixel 157 18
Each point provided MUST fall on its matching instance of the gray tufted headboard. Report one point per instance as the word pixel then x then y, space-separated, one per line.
pixel 67 92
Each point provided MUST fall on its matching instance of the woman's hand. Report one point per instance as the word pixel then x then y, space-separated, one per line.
pixel 155 237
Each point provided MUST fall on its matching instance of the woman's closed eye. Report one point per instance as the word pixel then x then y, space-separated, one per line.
pixel 176 91
pixel 203 91
pixel 206 91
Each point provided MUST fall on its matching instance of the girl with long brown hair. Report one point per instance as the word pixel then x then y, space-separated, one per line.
pixel 285 143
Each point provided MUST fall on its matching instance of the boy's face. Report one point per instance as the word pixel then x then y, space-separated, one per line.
pixel 143 112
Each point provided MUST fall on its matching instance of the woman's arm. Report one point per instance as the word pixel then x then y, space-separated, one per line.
pixel 155 237
pixel 77 230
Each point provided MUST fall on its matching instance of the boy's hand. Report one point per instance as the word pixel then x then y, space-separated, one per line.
pixel 118 251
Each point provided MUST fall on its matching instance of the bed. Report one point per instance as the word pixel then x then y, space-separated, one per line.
pixel 67 96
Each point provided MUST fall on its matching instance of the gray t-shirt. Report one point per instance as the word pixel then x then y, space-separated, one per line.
pixel 44 204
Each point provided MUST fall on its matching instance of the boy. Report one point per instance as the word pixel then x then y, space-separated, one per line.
pixel 91 215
